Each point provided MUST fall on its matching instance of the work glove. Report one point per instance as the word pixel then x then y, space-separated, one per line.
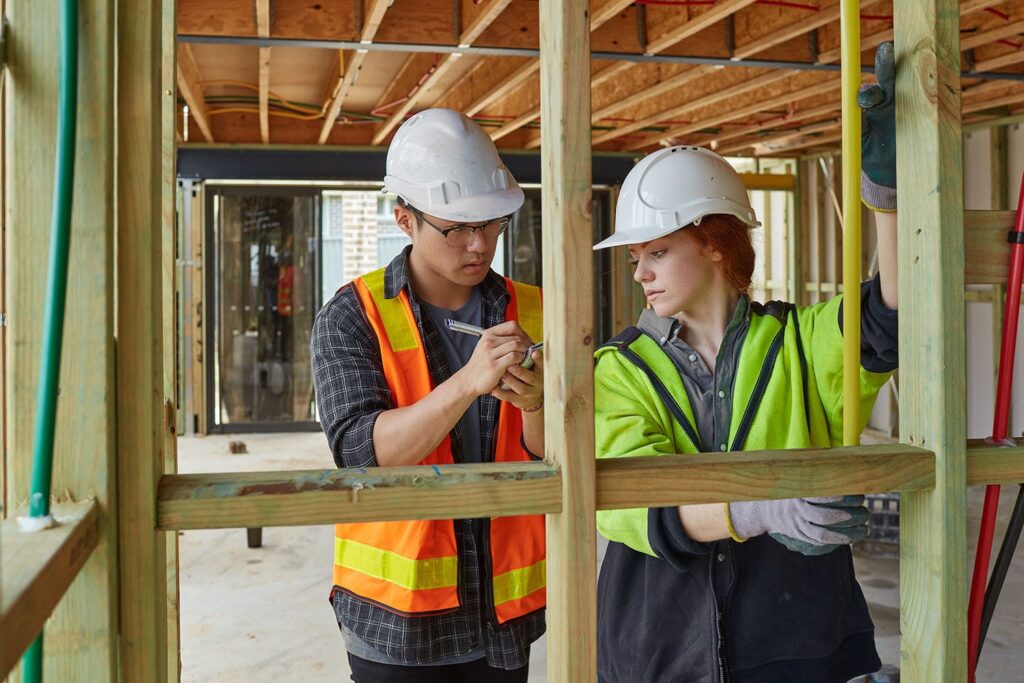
pixel 811 526
pixel 878 134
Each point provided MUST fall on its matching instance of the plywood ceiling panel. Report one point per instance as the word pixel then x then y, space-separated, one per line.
pixel 649 102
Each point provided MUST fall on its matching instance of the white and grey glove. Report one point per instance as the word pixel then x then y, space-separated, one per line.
pixel 811 526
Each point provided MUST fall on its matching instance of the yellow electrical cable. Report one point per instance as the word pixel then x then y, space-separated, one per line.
pixel 284 102
pixel 270 112
pixel 850 48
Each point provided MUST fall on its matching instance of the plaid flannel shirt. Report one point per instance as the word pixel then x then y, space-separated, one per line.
pixel 351 392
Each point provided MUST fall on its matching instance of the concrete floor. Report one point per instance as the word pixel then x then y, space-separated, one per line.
pixel 262 614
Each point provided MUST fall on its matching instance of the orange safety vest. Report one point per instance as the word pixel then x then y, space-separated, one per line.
pixel 412 567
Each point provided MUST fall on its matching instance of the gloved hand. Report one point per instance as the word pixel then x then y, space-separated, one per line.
pixel 811 526
pixel 878 134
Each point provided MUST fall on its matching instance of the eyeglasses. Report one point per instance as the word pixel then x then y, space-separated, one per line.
pixel 458 235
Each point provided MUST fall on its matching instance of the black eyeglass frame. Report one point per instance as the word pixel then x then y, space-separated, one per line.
pixel 502 222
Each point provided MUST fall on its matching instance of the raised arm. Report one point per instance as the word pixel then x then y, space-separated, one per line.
pixel 878 164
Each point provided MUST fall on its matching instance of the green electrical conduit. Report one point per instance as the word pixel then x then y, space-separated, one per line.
pixel 56 289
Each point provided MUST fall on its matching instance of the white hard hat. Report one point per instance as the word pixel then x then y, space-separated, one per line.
pixel 442 163
pixel 673 188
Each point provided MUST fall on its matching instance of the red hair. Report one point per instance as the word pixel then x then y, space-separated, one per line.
pixel 730 236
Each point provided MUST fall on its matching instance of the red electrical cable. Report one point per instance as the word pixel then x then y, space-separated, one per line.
pixel 786 3
pixel 380 110
pixel 1000 424
pixel 675 3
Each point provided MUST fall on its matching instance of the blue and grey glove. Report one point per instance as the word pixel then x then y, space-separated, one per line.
pixel 811 526
pixel 878 134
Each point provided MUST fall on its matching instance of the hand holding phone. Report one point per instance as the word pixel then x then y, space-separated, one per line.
pixel 528 361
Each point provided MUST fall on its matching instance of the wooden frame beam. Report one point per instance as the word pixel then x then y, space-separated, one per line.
pixel 798 132
pixel 992 35
pixel 520 76
pixel 414 69
pixel 868 42
pixel 933 524
pixel 82 634
pixel 600 17
pixel 516 123
pixel 967 108
pixel 263 30
pixel 191 90
pixel 609 72
pixel 478 26
pixel 239 499
pixel 826 15
pixel 752 475
pixel 483 19
pixel 811 142
pixel 656 90
pixel 371 22
pixel 38 570
pixel 1010 58
pixel 821 18
pixel 741 88
pixel 169 271
pixel 141 424
pixel 968 6
pixel 716 13
pixel 569 334
pixel 823 88
pixel 308 497
pixel 699 23
pixel 875 39
pixel 986 253
pixel 715 139
pixel 436 74
pixel 994 102
pixel 607 12
pixel 987 464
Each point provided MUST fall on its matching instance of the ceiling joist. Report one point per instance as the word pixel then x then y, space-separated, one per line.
pixel 658 75
pixel 718 12
pixel 822 17
pixel 741 88
pixel 373 14
pixel 489 13
pixel 191 90
pixel 263 29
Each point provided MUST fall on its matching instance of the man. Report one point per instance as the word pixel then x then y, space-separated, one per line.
pixel 439 600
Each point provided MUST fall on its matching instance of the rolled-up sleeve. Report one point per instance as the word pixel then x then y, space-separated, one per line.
pixel 879 329
pixel 348 375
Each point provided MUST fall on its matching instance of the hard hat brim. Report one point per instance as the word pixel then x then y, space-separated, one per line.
pixel 625 238
pixel 484 207
pixel 477 208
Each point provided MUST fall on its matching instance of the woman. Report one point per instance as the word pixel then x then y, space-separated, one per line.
pixel 756 591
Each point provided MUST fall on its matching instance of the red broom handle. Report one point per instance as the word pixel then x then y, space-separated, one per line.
pixel 1000 427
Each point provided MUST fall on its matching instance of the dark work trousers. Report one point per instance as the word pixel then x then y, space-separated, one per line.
pixel 364 671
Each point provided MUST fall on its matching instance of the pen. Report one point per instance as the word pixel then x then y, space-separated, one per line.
pixel 465 328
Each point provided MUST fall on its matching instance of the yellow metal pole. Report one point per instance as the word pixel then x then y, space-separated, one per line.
pixel 850 41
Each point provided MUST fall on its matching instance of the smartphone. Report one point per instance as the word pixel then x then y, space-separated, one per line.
pixel 528 361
